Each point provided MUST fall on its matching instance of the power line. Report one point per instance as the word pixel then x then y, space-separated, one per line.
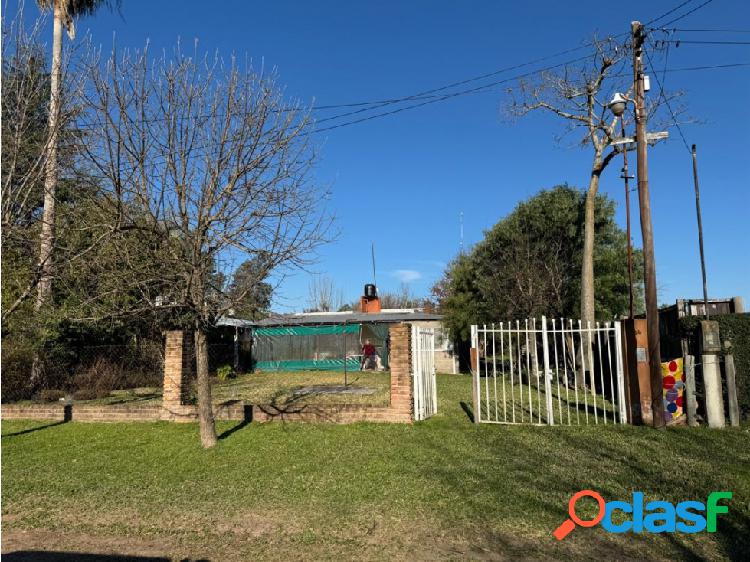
pixel 427 94
pixel 690 42
pixel 666 101
pixel 665 14
pixel 199 149
pixel 683 30
pixel 451 95
pixel 686 14
pixel 423 95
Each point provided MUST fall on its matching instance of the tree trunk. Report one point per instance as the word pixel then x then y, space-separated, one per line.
pixel 47 236
pixel 588 303
pixel 588 307
pixel 205 409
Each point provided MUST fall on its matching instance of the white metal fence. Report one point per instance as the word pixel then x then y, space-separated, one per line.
pixel 423 371
pixel 548 372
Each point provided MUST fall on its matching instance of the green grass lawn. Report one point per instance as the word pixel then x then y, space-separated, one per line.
pixel 286 387
pixel 443 489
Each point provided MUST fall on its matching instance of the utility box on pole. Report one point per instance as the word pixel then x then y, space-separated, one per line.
pixel 638 396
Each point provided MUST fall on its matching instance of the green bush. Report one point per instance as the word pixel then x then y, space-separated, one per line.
pixel 735 336
pixel 225 372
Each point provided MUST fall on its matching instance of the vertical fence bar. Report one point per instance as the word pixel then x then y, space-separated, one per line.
pixel 601 371
pixel 612 368
pixel 557 374
pixel 494 369
pixel 512 385
pixel 519 366
pixel 528 370
pixel 486 376
pixel 547 377
pixel 536 372
pixel 575 371
pixel 502 367
pixel 582 345
pixel 475 374
pixel 416 344
pixel 565 366
pixel 620 373
pixel 592 375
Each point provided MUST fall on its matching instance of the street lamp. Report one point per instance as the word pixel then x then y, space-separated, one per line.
pixel 618 104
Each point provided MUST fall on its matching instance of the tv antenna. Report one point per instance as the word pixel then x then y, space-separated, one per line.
pixel 461 222
pixel 372 251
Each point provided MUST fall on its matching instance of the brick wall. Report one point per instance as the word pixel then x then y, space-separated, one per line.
pixel 179 361
pixel 81 412
pixel 178 367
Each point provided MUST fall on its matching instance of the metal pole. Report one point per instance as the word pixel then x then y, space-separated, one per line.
pixel 700 229
pixel 346 382
pixel 626 176
pixel 652 308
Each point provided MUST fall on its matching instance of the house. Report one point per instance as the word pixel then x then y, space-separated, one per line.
pixel 334 340
pixel 329 340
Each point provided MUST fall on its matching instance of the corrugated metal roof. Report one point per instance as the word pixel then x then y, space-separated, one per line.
pixel 235 322
pixel 351 318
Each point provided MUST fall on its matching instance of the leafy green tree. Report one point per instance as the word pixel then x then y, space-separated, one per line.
pixel 249 292
pixel 529 264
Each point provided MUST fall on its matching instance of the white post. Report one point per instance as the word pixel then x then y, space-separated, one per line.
pixel 713 391
pixel 475 373
pixel 620 374
pixel 547 374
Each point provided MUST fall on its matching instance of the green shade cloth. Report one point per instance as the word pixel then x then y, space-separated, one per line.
pixel 308 330
pixel 352 364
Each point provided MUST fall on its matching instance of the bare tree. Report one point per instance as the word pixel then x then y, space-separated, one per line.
pixel 324 295
pixel 579 95
pixel 210 162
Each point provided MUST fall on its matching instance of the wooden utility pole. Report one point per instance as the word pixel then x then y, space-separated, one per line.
pixel 700 230
pixel 626 176
pixel 649 269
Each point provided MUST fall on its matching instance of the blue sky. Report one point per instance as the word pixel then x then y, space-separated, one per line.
pixel 417 170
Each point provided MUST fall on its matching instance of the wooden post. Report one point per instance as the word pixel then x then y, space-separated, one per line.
pixel 647 235
pixel 691 404
pixel 734 407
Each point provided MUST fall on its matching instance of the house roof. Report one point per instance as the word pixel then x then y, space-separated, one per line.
pixel 308 319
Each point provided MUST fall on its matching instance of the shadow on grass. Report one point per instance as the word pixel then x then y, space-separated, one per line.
pixel 67 416
pixel 246 420
pixel 468 411
pixel 33 429
pixel 45 556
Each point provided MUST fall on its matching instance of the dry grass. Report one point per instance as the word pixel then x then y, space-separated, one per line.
pixel 279 388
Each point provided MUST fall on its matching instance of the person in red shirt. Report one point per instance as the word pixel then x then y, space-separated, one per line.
pixel 369 355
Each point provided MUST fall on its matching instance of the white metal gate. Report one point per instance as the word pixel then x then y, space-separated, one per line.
pixel 548 372
pixel 423 372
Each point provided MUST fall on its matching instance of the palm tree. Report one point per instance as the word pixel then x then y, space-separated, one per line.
pixel 64 14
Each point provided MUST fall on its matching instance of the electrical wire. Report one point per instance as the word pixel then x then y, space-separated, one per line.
pixel 666 101
pixel 686 14
pixel 689 42
pixel 669 12
pixel 683 30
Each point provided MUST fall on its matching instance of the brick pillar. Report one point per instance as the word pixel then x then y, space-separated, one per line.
pixel 401 376
pixel 178 365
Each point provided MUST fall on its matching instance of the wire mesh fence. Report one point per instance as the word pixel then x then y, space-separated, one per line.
pixel 82 372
